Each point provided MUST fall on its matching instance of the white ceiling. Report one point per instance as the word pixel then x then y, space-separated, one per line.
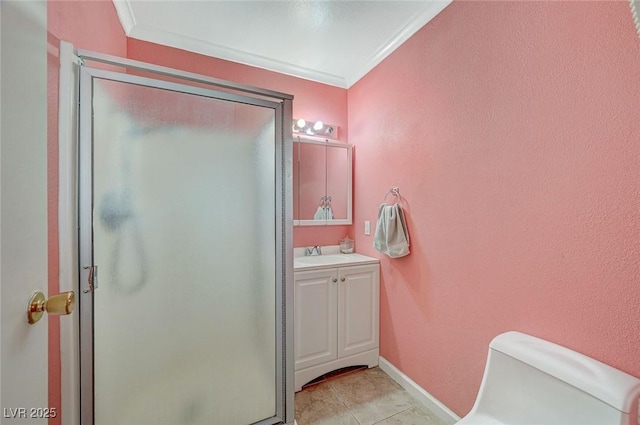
pixel 333 42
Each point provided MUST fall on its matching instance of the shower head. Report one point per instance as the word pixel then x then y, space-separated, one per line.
pixel 115 209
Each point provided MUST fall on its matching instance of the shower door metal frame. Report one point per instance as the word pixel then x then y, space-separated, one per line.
pixel 282 105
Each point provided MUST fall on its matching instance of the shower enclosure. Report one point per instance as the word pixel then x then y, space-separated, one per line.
pixel 184 213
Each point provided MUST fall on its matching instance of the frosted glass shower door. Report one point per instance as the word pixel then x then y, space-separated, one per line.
pixel 183 221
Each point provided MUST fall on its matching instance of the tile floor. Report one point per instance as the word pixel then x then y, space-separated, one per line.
pixel 363 397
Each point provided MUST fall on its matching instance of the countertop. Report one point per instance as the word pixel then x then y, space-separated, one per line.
pixel 314 262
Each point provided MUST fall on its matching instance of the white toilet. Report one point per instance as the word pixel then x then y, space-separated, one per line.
pixel 529 381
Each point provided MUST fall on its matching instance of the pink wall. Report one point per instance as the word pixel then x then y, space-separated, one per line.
pixel 312 101
pixel 90 25
pixel 512 131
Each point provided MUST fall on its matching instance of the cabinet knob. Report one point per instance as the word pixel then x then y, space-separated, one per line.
pixel 335 279
pixel 342 279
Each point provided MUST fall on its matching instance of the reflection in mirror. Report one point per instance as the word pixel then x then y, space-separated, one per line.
pixel 322 183
pixel 338 182
pixel 312 180
pixel 296 189
pixel 635 12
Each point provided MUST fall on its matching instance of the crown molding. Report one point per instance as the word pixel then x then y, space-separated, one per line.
pixel 165 38
pixel 125 15
pixel 134 30
pixel 410 28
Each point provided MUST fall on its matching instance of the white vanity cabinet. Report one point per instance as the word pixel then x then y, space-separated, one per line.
pixel 336 318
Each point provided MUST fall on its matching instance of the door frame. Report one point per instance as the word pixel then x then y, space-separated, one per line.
pixel 71 273
pixel 67 228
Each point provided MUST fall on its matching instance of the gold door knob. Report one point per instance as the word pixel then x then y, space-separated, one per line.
pixel 58 304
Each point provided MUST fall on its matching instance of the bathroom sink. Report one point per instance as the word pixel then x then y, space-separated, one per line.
pixel 317 261
pixel 320 260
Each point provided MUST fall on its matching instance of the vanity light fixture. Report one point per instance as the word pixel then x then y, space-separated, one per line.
pixel 317 128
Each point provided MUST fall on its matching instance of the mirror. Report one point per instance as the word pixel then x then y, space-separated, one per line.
pixel 635 11
pixel 321 183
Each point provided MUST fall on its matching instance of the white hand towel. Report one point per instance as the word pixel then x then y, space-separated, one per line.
pixel 319 215
pixel 323 213
pixel 392 237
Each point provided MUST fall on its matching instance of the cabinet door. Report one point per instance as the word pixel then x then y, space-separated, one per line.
pixel 358 304
pixel 315 317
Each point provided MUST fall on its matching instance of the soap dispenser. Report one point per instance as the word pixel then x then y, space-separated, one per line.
pixel 346 245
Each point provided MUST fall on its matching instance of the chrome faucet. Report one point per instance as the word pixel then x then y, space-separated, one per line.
pixel 313 250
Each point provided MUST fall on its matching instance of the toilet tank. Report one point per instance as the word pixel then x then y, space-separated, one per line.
pixel 530 381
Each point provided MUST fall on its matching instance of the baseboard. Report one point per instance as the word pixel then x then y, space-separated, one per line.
pixel 429 401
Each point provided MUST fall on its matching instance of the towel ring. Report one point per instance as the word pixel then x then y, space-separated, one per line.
pixel 395 192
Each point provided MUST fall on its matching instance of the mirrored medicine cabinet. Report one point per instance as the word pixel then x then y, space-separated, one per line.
pixel 321 183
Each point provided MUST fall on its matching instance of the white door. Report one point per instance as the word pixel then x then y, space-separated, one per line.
pixel 180 205
pixel 358 306
pixel 315 317
pixel 23 214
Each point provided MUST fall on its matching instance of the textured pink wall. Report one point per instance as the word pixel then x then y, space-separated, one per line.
pixel 312 101
pixel 90 25
pixel 512 131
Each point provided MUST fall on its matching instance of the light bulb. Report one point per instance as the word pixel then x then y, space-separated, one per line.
pixel 301 123
pixel 318 125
